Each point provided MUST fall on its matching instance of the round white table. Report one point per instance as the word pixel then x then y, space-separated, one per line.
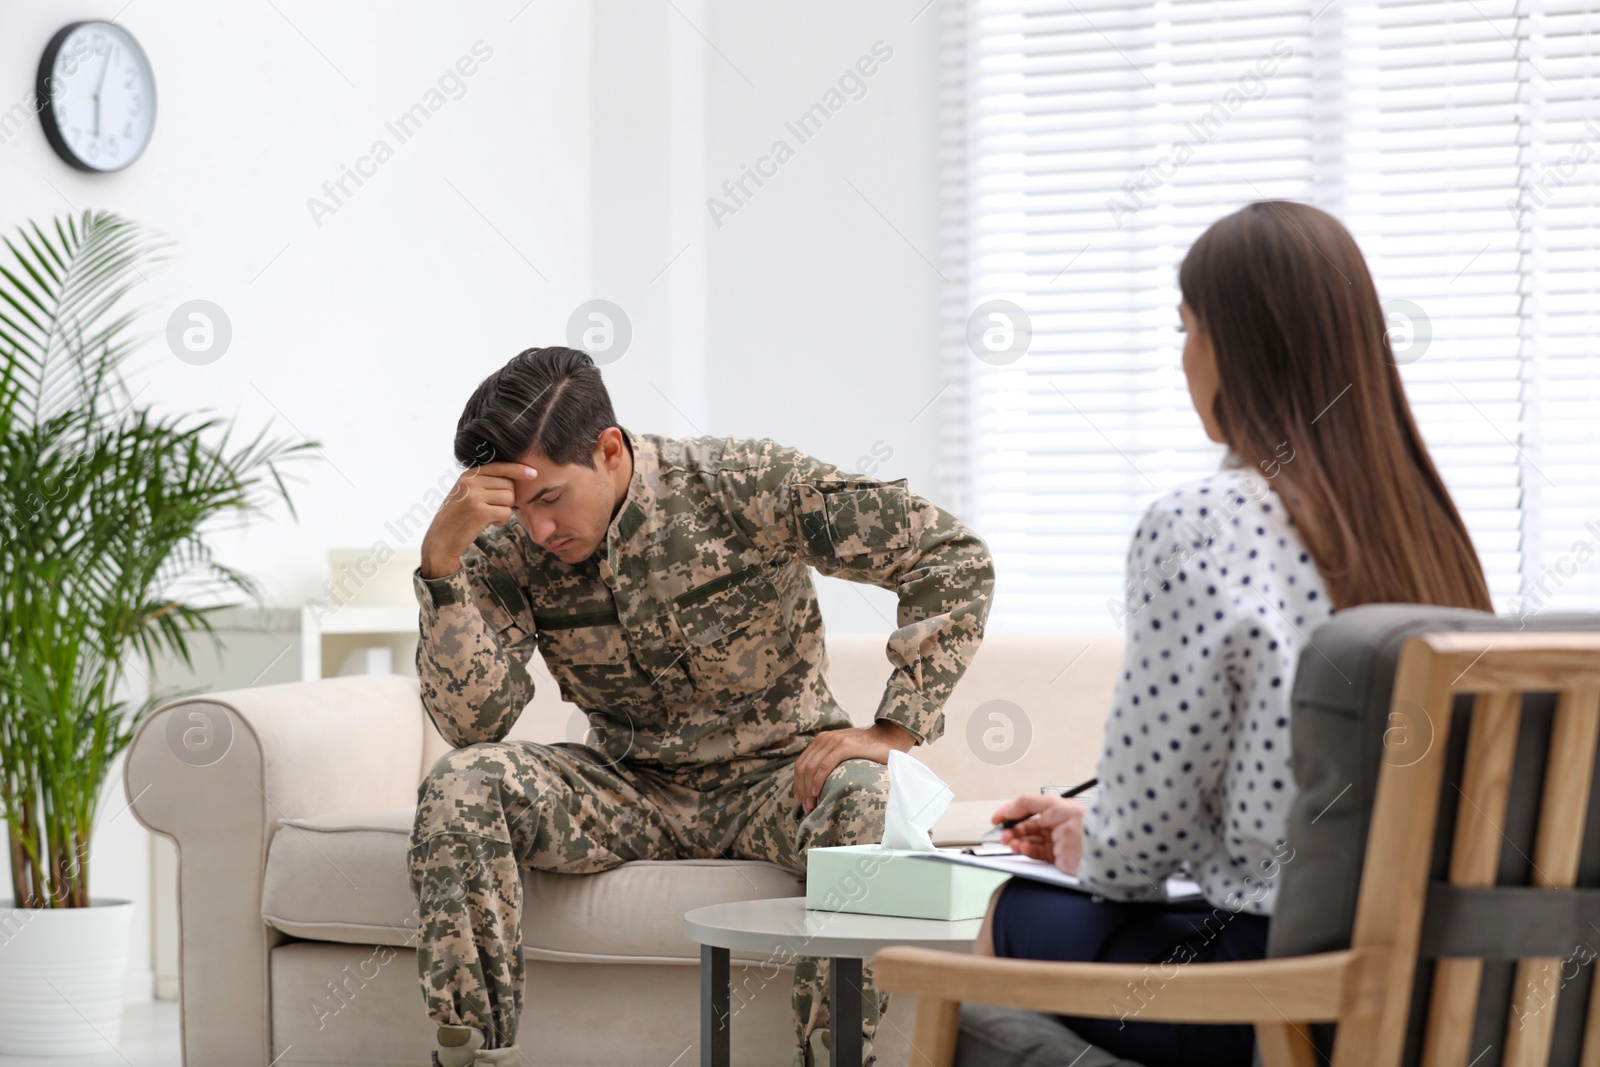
pixel 783 926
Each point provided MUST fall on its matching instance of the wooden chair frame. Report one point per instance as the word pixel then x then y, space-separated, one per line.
pixel 1366 988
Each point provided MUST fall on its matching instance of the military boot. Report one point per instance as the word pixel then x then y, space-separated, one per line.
pixel 462 1046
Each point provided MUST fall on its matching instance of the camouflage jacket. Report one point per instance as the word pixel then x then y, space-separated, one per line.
pixel 692 636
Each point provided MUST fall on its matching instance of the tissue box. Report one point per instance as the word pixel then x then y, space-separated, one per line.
pixel 874 880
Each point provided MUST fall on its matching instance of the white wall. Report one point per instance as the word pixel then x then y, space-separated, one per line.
pixel 822 310
pixel 576 164
pixel 808 314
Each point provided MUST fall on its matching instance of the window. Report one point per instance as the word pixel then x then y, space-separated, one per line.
pixel 1091 141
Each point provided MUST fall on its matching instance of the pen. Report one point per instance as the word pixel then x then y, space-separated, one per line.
pixel 1074 791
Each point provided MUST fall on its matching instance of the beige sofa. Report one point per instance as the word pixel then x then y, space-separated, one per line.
pixel 290 806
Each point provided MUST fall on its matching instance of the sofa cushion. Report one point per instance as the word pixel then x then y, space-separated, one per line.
pixel 636 911
pixel 343 878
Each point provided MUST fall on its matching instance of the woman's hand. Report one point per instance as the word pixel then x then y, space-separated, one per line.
pixel 1054 834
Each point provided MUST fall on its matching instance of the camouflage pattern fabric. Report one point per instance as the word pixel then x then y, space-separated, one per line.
pixel 489 809
pixel 693 642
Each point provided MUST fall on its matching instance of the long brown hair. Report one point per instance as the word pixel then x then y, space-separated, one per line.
pixel 1303 359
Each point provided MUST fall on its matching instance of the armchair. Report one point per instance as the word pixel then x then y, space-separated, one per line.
pixel 1469 755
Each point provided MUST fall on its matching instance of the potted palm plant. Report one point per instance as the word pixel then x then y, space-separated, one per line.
pixel 102 565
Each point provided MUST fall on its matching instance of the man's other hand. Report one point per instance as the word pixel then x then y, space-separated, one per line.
pixel 833 747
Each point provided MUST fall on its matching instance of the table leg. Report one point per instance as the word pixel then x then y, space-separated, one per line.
pixel 844 1012
pixel 715 1020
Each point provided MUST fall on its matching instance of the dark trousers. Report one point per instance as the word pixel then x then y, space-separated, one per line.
pixel 1036 921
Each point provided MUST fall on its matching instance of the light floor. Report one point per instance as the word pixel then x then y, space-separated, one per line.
pixel 149 1039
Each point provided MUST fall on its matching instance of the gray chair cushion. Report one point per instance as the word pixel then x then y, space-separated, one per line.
pixel 1014 1037
pixel 1340 714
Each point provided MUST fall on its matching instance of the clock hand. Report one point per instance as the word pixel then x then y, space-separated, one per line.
pixel 98 86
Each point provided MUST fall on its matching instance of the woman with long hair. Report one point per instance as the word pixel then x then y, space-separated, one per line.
pixel 1327 498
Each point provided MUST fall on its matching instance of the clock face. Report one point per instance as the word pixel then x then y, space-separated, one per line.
pixel 99 96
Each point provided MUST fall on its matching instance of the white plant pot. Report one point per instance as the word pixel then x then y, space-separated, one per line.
pixel 63 973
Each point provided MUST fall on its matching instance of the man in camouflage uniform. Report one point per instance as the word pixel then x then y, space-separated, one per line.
pixel 668 589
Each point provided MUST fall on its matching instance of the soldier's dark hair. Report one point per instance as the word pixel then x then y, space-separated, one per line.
pixel 546 400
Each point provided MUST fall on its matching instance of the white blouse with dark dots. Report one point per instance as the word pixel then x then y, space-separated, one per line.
pixel 1194 772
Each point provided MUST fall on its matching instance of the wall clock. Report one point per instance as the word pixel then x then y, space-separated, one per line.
pixel 97 96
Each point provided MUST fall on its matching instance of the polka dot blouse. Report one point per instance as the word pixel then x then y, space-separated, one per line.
pixel 1194 772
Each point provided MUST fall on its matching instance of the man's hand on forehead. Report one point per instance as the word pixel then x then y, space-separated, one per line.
pixel 506 469
pixel 495 474
pixel 483 496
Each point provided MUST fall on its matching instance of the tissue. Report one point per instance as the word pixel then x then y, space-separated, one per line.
pixel 890 878
pixel 917 797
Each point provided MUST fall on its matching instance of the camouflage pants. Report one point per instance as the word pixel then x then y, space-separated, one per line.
pixel 487 810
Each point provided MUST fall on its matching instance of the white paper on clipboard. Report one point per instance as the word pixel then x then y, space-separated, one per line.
pixel 1022 866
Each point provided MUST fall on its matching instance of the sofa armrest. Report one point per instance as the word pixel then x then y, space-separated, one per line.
pixel 215 773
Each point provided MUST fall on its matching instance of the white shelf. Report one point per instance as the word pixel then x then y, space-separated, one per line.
pixel 393 624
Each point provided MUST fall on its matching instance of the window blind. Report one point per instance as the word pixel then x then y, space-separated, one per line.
pixel 1102 137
